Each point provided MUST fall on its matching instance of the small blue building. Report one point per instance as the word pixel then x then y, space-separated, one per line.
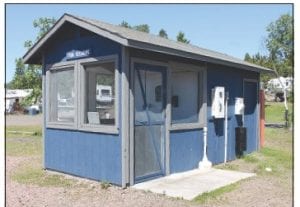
pixel 124 106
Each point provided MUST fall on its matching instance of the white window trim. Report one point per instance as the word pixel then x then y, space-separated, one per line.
pixel 109 129
pixel 57 67
pixel 202 100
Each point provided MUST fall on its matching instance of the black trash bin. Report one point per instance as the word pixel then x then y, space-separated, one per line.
pixel 241 140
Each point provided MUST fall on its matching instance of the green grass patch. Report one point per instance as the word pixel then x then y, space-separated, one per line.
pixel 278 160
pixel 272 134
pixel 215 194
pixel 37 176
pixel 27 131
pixel 105 185
pixel 19 143
pixel 251 158
pixel 23 146
pixel 227 166
pixel 275 112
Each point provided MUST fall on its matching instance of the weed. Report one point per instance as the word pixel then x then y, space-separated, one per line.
pixel 275 112
pixel 105 185
pixel 250 158
pixel 27 131
pixel 227 166
pixel 37 176
pixel 23 146
pixel 215 194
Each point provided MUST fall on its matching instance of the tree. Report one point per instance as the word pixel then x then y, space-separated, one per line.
pixel 30 76
pixel 125 24
pixel 43 25
pixel 280 44
pixel 140 27
pixel 261 60
pixel 163 33
pixel 181 38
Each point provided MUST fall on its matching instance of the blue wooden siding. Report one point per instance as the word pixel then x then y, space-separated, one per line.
pixel 186 150
pixel 251 97
pixel 232 80
pixel 99 46
pixel 91 155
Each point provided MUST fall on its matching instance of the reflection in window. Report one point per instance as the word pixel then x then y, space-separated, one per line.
pixel 185 104
pixel 100 94
pixel 62 96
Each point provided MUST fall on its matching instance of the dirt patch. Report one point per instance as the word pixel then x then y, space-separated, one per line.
pixel 259 191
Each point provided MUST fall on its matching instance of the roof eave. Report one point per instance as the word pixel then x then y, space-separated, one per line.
pixel 171 51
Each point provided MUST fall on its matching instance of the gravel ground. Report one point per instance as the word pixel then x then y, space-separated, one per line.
pixel 90 195
pixel 259 191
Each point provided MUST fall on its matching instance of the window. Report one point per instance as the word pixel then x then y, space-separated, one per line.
pixel 99 94
pixel 62 96
pixel 185 96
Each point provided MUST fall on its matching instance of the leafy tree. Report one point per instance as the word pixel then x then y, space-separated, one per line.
pixel 125 24
pixel 140 27
pixel 280 44
pixel 29 76
pixel 261 60
pixel 181 38
pixel 163 33
pixel 43 25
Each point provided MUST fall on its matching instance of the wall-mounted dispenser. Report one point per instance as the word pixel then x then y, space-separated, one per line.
pixel 239 106
pixel 218 100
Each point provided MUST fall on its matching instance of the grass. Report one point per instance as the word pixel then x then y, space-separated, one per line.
pixel 251 158
pixel 29 174
pixel 216 194
pixel 105 185
pixel 23 144
pixel 279 161
pixel 227 166
pixel 27 144
pixel 276 155
pixel 275 112
pixel 27 131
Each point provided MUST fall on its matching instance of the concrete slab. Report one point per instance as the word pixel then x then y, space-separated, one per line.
pixel 192 183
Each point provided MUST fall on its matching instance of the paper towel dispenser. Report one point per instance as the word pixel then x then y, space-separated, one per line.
pixel 218 99
pixel 239 106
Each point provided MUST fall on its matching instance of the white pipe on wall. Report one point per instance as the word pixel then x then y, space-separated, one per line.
pixel 226 126
pixel 205 163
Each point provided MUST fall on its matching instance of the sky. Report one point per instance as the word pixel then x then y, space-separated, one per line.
pixel 234 29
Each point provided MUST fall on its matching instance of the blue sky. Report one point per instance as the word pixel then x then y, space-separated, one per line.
pixel 233 29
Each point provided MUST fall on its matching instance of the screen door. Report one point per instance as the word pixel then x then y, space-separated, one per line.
pixel 149 126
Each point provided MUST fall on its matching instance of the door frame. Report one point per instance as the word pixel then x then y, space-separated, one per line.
pixel 257 106
pixel 134 60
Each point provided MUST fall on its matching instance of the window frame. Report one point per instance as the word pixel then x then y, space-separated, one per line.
pixel 202 96
pixel 109 129
pixel 56 68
